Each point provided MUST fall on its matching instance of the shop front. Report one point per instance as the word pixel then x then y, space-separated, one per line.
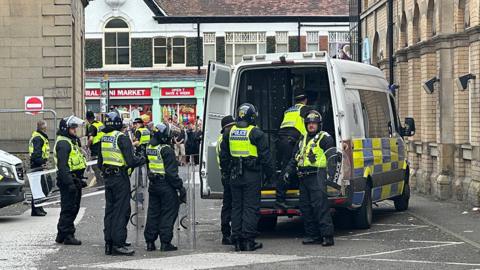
pixel 177 100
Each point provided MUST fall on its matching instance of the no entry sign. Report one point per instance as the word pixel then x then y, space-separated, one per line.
pixel 33 103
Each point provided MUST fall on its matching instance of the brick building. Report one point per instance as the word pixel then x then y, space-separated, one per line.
pixel 162 48
pixel 41 54
pixel 432 39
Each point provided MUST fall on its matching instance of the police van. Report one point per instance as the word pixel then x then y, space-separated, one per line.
pixel 358 110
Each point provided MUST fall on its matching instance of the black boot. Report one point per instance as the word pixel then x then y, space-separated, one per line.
pixel 38 212
pixel 59 239
pixel 108 249
pixel 251 245
pixel 122 251
pixel 312 241
pixel 226 241
pixel 239 245
pixel 71 241
pixel 328 241
pixel 151 246
pixel 127 244
pixel 168 247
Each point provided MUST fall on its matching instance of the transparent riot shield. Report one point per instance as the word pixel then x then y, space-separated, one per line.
pixel 185 236
pixel 139 195
pixel 337 163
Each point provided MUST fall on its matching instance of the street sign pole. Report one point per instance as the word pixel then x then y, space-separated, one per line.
pixel 104 94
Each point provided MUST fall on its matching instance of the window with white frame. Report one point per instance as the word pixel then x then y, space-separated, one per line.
pixel 312 41
pixel 160 51
pixel 281 42
pixel 179 51
pixel 238 44
pixel 116 43
pixel 337 42
pixel 208 48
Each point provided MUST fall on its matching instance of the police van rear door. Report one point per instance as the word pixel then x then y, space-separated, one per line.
pixel 218 100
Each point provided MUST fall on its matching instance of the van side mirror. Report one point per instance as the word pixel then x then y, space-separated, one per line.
pixel 409 128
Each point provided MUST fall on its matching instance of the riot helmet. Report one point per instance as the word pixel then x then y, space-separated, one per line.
pixel 313 117
pixel 114 120
pixel 248 113
pixel 162 133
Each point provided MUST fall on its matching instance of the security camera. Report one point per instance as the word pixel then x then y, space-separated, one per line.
pixel 462 81
pixel 429 85
pixel 393 88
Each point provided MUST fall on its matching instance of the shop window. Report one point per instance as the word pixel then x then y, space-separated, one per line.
pixel 208 48
pixel 312 41
pixel 116 43
pixel 178 50
pixel 160 51
pixel 238 44
pixel 281 42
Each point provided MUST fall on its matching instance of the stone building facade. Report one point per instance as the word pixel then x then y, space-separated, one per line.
pixel 433 38
pixel 41 54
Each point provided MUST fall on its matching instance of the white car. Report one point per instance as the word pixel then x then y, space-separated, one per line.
pixel 11 179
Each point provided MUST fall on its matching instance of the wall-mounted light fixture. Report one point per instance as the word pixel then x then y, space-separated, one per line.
pixel 429 86
pixel 462 81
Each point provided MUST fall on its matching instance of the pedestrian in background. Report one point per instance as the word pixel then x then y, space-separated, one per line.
pixel 39 151
pixel 179 141
pixel 94 134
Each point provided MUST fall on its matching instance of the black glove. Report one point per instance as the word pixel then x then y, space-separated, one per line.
pixel 143 160
pixel 83 183
pixel 182 195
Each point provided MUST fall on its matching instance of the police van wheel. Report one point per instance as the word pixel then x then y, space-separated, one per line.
pixel 401 202
pixel 267 224
pixel 362 218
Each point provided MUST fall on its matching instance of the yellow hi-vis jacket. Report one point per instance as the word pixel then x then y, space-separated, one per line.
pixel 76 160
pixel 293 119
pixel 45 147
pixel 240 145
pixel 155 160
pixel 111 153
pixel 306 150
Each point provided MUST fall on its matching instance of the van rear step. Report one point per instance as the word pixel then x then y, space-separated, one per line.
pixel 279 212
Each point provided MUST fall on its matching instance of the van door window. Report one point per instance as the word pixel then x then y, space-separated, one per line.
pixel 376 114
pixel 395 115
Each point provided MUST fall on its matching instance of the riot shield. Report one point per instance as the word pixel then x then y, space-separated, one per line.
pixel 336 164
pixel 139 195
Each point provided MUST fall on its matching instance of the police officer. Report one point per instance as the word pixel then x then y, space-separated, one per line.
pixel 115 158
pixel 226 213
pixel 291 130
pixel 141 137
pixel 310 163
pixel 166 190
pixel 94 134
pixel 244 150
pixel 71 165
pixel 39 151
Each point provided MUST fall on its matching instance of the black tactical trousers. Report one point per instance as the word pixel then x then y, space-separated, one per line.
pixel 285 147
pixel 245 204
pixel 314 205
pixel 117 209
pixel 163 206
pixel 226 213
pixel 70 199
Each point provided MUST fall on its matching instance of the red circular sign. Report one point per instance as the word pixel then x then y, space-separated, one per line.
pixel 34 104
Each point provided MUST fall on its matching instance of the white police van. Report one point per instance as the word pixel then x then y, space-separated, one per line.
pixel 11 179
pixel 358 110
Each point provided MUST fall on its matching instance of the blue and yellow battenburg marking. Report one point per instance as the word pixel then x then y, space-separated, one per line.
pixel 377 155
pixel 379 193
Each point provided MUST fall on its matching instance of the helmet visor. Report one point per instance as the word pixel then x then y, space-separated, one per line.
pixel 73 121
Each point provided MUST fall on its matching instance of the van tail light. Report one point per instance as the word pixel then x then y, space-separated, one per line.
pixel 347 161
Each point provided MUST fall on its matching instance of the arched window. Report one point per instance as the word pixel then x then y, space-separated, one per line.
pixel 376 50
pixel 463 15
pixel 416 24
pixel 431 20
pixel 403 42
pixel 116 42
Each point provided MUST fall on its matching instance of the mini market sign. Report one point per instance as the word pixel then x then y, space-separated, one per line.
pixel 120 93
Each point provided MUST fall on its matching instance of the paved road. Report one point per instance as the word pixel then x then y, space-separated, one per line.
pixel 432 235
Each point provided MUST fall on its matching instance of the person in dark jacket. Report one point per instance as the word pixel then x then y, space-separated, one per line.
pixel 226 212
pixel 166 190
pixel 115 158
pixel 39 150
pixel 71 165
pixel 310 163
pixel 244 151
